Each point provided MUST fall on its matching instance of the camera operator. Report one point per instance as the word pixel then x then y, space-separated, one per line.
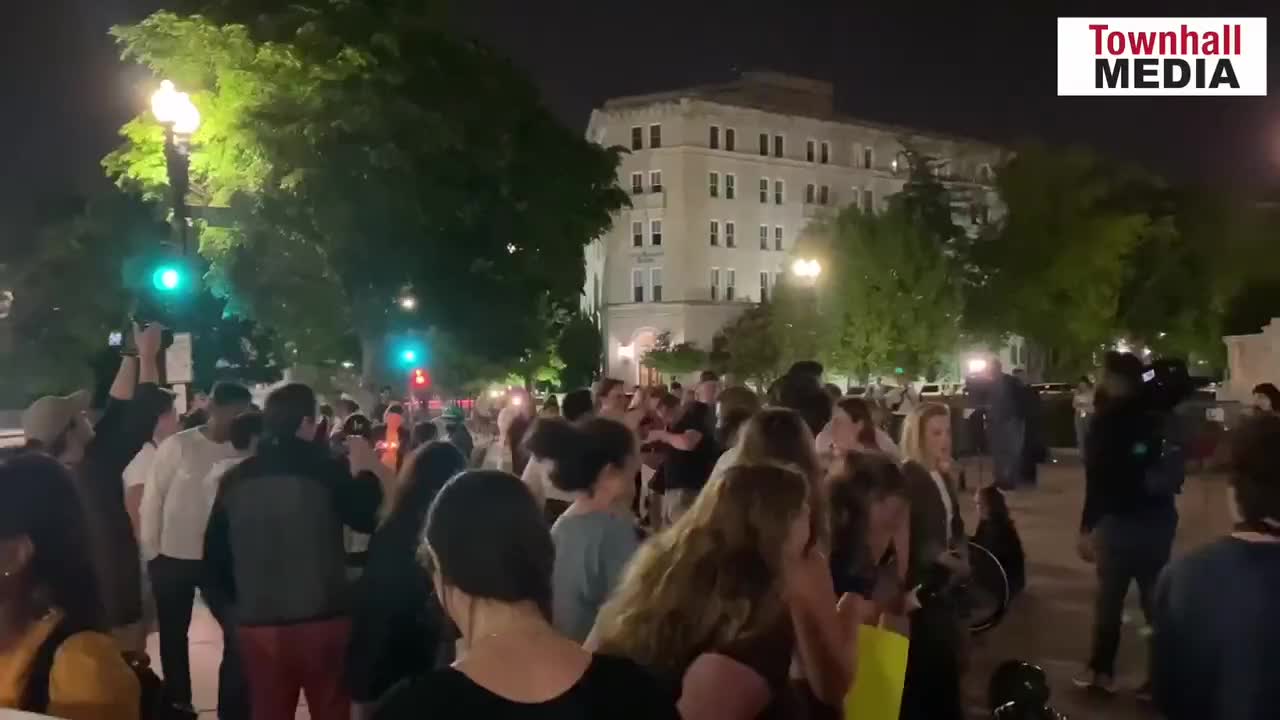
pixel 1133 470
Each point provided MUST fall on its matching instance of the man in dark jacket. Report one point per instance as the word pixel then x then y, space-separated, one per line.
pixel 97 456
pixel 1126 528
pixel 275 546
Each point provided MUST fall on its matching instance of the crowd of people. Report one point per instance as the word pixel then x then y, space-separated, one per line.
pixel 709 553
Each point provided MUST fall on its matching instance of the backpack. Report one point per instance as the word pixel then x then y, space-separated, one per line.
pixel 1167 467
pixel 35 697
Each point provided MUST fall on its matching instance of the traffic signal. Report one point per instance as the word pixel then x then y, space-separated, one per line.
pixel 420 379
pixel 168 277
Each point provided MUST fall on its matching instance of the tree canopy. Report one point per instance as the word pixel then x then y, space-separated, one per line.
pixel 364 149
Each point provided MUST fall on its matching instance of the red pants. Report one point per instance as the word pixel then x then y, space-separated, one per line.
pixel 281 661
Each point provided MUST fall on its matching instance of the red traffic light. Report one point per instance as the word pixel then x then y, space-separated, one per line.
pixel 420 378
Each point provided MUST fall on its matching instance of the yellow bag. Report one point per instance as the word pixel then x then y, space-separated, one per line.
pixel 876 693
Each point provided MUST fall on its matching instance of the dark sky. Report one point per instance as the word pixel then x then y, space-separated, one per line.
pixel 978 69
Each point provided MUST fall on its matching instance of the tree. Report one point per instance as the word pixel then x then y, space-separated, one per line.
pixel 1053 268
pixel 579 348
pixel 751 348
pixel 364 149
pixel 72 292
pixel 678 359
pixel 897 298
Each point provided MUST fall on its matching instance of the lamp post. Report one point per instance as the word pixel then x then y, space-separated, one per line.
pixel 180 118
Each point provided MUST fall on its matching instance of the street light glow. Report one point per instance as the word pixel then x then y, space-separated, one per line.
pixel 409 356
pixel 175 109
pixel 977 365
pixel 806 268
pixel 408 302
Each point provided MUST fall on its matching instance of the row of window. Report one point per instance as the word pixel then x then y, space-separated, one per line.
pixel 813 194
pixel 647 285
pixel 637 233
pixel 637 182
pixel 655 137
pixel 654 277
pixel 731 240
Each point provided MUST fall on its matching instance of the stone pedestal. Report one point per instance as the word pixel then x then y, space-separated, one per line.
pixel 1252 359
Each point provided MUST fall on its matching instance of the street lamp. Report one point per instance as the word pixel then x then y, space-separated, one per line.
pixel 180 118
pixel 807 268
pixel 408 303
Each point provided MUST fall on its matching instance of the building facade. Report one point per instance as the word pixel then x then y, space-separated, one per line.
pixel 725 183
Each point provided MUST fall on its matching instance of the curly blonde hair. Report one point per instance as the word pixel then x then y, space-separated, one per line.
pixel 713 578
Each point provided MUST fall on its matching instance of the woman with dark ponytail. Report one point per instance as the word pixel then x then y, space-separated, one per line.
pixel 597 461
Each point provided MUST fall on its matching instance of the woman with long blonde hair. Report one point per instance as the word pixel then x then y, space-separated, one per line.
pixel 780 437
pixel 938 555
pixel 707 601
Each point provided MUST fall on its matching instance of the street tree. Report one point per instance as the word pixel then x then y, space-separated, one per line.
pixel 1053 268
pixel 748 347
pixel 896 298
pixel 579 349
pixel 364 148
pixel 675 358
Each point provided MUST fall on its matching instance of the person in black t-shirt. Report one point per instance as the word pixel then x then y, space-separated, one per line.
pixel 491 557
pixel 690 459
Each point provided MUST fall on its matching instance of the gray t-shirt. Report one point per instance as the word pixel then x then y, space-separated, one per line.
pixel 591 551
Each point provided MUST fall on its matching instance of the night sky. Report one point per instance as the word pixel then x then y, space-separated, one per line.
pixel 976 69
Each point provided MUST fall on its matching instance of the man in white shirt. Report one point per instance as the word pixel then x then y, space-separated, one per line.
pixel 174 514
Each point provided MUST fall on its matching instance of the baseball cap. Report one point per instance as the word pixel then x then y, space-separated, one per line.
pixel 49 416
pixel 453 413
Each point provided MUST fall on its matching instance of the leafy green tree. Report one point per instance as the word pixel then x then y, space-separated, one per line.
pixel 749 347
pixel 364 148
pixel 675 359
pixel 1054 267
pixel 579 349
pixel 897 296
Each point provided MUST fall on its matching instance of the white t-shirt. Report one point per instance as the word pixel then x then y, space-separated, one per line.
pixel 537 477
pixel 175 500
pixel 941 484
pixel 135 473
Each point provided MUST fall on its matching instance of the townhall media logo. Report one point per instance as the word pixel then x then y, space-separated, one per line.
pixel 1204 57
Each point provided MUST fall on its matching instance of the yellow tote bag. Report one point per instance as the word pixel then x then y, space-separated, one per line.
pixel 876 693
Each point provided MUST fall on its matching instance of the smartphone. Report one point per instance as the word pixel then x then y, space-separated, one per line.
pixel 115 339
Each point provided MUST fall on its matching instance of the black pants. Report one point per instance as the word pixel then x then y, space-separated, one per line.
pixel 174 583
pixel 1130 548
pixel 932 688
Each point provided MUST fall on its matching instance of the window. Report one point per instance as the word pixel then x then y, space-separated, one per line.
pixel 714 140
pixel 868 157
pixel 824 195
pixel 715 283
pixel 764 144
pixel 637 183
pixel 811 151
pixel 825 157
pixel 655 285
pixel 655 233
pixel 764 191
pixel 729 239
pixel 855 193
pixel 868 201
pixel 595 290
pixel 715 233
pixel 637 285
pixel 637 234
pixel 655 181
pixel 777 237
pixel 730 139
pixel 764 286
pixel 730 276
pixel 713 183
pixel 637 138
pixel 655 136
pixel 777 279
pixel 730 186
pixel 778 192
pixel 764 237
pixel 810 193
pixel 777 146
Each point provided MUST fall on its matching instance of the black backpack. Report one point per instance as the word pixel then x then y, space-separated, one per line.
pixel 35 698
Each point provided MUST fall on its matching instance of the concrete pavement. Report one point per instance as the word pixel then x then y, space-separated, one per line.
pixel 1049 625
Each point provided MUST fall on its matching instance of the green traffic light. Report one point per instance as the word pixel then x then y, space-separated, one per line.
pixel 166 278
pixel 409 356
